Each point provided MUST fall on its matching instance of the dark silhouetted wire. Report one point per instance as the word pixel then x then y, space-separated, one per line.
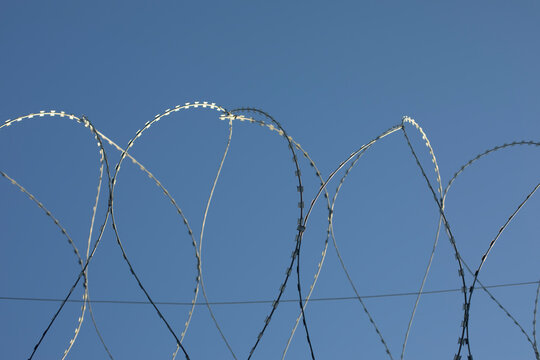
pixel 249 302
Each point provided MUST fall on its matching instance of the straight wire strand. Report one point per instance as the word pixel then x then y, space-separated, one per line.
pixel 250 302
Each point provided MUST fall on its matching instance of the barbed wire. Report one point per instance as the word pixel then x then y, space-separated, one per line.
pixel 253 116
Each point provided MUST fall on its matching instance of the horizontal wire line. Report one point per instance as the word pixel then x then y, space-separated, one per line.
pixel 11 298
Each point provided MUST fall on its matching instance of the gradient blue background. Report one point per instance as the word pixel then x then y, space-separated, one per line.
pixel 335 75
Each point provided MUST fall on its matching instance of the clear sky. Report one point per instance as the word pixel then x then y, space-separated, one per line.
pixel 335 75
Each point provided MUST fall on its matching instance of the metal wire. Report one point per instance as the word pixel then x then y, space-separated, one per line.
pixel 252 116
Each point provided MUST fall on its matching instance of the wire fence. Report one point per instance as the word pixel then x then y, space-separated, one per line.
pixel 107 183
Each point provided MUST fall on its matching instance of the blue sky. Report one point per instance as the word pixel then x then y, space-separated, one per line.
pixel 335 75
